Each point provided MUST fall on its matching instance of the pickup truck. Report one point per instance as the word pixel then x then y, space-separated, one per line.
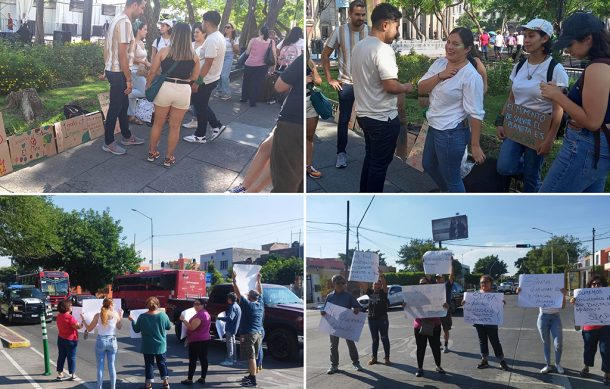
pixel 507 287
pixel 25 304
pixel 283 320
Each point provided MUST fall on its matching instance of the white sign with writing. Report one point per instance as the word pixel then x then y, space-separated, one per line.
pixel 91 307
pixel 76 313
pixel 134 314
pixel 220 325
pixel 187 315
pixel 365 267
pixel 592 306
pixel 540 290
pixel 424 301
pixel 484 308
pixel 342 322
pixel 246 277
pixel 438 262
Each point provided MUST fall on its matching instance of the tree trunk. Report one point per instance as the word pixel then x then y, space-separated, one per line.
pixel 28 101
pixel 415 25
pixel 189 7
pixel 40 21
pixel 286 29
pixel 250 28
pixel 470 12
pixel 275 6
pixel 226 14
pixel 151 15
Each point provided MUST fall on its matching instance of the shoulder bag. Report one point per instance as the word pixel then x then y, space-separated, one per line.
pixel 321 103
pixel 269 58
pixel 155 85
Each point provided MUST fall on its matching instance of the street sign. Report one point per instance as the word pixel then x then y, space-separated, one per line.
pixel 450 228
pixel 208 278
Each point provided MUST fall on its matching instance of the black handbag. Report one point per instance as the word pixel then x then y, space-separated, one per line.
pixel 269 58
pixel 427 327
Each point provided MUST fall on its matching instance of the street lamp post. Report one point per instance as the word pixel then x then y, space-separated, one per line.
pixel 552 235
pixel 152 261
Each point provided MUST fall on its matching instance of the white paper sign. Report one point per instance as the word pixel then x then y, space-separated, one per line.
pixel 342 322
pixel 91 307
pixel 135 313
pixel 76 311
pixel 246 277
pixel 592 306
pixel 220 325
pixel 540 290
pixel 484 308
pixel 438 262
pixel 424 301
pixel 365 267
pixel 187 315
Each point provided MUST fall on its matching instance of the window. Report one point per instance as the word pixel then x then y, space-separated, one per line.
pixel 224 265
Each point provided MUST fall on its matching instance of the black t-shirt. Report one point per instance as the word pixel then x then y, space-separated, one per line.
pixel 448 288
pixel 292 110
pixel 378 303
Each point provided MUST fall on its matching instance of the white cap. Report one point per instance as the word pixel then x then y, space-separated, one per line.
pixel 168 22
pixel 540 25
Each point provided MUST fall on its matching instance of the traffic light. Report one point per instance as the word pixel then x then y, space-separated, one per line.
pixel 523 246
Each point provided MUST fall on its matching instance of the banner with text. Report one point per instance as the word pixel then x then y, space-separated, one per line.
pixel 424 301
pixel 342 322
pixel 438 262
pixel 365 267
pixel 526 126
pixel 245 275
pixel 484 308
pixel 592 306
pixel 540 290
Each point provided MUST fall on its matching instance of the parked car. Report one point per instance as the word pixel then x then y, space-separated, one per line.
pixel 77 299
pixel 457 295
pixel 394 298
pixel 507 287
pixel 25 304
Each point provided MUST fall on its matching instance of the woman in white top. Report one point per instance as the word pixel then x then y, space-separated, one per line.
pixel 456 93
pixel 163 40
pixel 514 158
pixel 223 90
pixel 139 69
pixel 106 323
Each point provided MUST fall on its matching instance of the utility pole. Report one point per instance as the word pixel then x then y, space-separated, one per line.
pixel 593 253
pixel 347 238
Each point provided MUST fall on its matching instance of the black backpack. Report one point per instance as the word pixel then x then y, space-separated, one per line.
pixel 72 110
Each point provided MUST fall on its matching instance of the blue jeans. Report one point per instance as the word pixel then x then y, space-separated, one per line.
pixel 346 103
pixel 379 145
pixel 119 104
pixel 516 159
pixel 105 348
pixel 573 170
pixel 137 92
pixel 224 86
pixel 591 339
pixel 259 358
pixel 442 157
pixel 379 326
pixel 66 350
pixel 485 333
pixel 550 324
pixel 149 367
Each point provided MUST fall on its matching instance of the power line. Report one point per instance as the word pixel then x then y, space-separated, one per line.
pixel 230 229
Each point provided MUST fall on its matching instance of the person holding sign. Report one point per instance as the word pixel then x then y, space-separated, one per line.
pixel 67 339
pixel 594 335
pixel 516 158
pixel 446 321
pixel 198 338
pixel 106 322
pixel 231 319
pixel 378 318
pixel 153 324
pixel 343 299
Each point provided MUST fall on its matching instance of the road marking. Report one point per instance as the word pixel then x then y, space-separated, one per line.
pixel 78 379
pixel 21 370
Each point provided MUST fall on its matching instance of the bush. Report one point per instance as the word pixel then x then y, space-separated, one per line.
pixel 18 71
pixel 412 67
pixel 403 278
pixel 498 78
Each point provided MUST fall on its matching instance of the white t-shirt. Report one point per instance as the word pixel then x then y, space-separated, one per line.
pixel 499 41
pixel 300 44
pixel 456 98
pixel 161 42
pixel 376 62
pixel 198 51
pixel 520 38
pixel 120 31
pixel 213 47
pixel 108 329
pixel 229 44
pixel 527 92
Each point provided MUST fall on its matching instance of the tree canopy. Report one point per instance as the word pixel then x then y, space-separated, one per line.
pixel 491 265
pixel 282 271
pixel 411 254
pixel 538 259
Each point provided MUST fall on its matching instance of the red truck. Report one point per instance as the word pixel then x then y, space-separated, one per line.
pixel 283 320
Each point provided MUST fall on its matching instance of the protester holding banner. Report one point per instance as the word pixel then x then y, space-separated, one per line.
pixel 586 143
pixel 343 299
pixel 153 324
pixel 106 322
pixel 232 317
pixel 446 321
pixel 456 94
pixel 378 318
pixel 516 158
pixel 67 339
pixel 198 339
pixel 592 335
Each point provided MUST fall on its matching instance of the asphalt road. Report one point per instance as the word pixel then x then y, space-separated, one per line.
pixel 520 341
pixel 23 367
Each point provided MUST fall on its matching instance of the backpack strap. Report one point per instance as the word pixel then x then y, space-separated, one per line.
pixel 550 70
pixel 603 128
pixel 520 65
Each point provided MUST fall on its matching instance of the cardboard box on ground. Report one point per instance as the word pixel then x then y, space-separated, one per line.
pixel 5 157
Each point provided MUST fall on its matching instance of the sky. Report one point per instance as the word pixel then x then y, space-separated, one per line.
pixel 492 220
pixel 194 217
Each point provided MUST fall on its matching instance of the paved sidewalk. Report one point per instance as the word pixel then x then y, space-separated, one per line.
pixel 211 167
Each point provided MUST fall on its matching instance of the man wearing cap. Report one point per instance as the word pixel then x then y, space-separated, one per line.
pixel 446 321
pixel 164 39
pixel 250 327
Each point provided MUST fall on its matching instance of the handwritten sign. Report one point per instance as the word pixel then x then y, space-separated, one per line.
pixel 187 315
pixel 540 290
pixel 417 151
pixel 484 308
pixel 592 306
pixel 91 307
pixel 6 166
pixel 526 126
pixel 31 146
pixel 246 277
pixel 94 124
pixel 365 267
pixel 424 301
pixel 342 322
pixel 438 262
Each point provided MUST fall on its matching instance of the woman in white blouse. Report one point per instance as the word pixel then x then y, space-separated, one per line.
pixel 139 69
pixel 456 97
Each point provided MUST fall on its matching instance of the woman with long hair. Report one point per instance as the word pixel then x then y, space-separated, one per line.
pixel 583 163
pixel 67 339
pixel 290 48
pixel 255 68
pixel 312 79
pixel 223 90
pixel 198 339
pixel 198 41
pixel 181 66
pixel 107 321
pixel 139 69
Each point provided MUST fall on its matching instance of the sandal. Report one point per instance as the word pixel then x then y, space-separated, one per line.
pixel 169 161
pixel 152 156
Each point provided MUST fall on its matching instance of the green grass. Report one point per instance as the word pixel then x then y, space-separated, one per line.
pixel 53 103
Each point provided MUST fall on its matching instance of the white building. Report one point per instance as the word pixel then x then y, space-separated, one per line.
pixel 223 259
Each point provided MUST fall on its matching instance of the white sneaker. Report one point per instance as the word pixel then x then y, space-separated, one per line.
pixel 559 369
pixel 545 369
pixel 216 132
pixel 191 124
pixel 341 161
pixel 195 139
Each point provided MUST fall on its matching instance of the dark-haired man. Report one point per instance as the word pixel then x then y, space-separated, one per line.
pixel 231 319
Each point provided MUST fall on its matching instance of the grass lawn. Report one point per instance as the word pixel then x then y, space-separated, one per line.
pixel 53 101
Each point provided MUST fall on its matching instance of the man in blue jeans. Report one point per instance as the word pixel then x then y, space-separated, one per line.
pixel 376 84
pixel 116 52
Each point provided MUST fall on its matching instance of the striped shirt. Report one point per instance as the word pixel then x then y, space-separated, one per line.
pixel 343 40
pixel 120 31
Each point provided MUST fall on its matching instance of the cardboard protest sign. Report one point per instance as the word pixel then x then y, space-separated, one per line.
pixel 592 306
pixel 92 306
pixel 484 308
pixel 342 322
pixel 71 133
pixel 31 146
pixel 135 313
pixel 417 152
pixel 540 290
pixel 438 262
pixel 104 99
pixel 220 325
pixel 424 301
pixel 246 277
pixel 525 126
pixel 187 315
pixel 365 267
pixel 94 124
pixel 6 166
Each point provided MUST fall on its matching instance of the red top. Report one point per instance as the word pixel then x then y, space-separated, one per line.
pixel 64 326
pixel 484 39
pixel 590 328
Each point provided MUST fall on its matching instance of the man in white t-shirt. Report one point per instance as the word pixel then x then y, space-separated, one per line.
pixel 118 74
pixel 376 86
pixel 212 57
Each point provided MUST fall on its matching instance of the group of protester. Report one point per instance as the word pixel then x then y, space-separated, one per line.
pixel 245 311
pixel 496 41
pixel 456 85
pixel 428 330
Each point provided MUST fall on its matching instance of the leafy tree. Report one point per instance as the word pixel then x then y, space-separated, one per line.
pixel 217 277
pixel 411 254
pixel 538 259
pixel 491 265
pixel 8 275
pixel 282 271
pixel 522 266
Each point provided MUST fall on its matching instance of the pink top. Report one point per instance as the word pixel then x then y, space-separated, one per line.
pixel 435 320
pixel 258 49
pixel 202 332
pixel 64 326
